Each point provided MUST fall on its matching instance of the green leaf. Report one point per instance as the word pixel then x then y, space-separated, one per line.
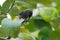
pixel 44 33
pixel 31 26
pixel 14 12
pixel 44 28
pixel 40 23
pixel 25 36
pixel 55 35
pixel 30 4
pixel 10 27
pixel 1 17
pixel 0 7
pixel 2 34
pixel 25 3
pixel 56 23
pixel 48 13
pixel 7 6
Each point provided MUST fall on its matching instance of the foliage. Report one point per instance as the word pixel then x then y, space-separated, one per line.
pixel 47 20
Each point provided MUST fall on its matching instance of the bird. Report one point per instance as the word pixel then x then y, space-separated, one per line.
pixel 26 15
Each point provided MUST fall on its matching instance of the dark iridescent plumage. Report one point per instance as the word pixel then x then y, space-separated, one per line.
pixel 26 14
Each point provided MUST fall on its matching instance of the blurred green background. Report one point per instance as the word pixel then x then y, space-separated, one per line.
pixel 38 25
